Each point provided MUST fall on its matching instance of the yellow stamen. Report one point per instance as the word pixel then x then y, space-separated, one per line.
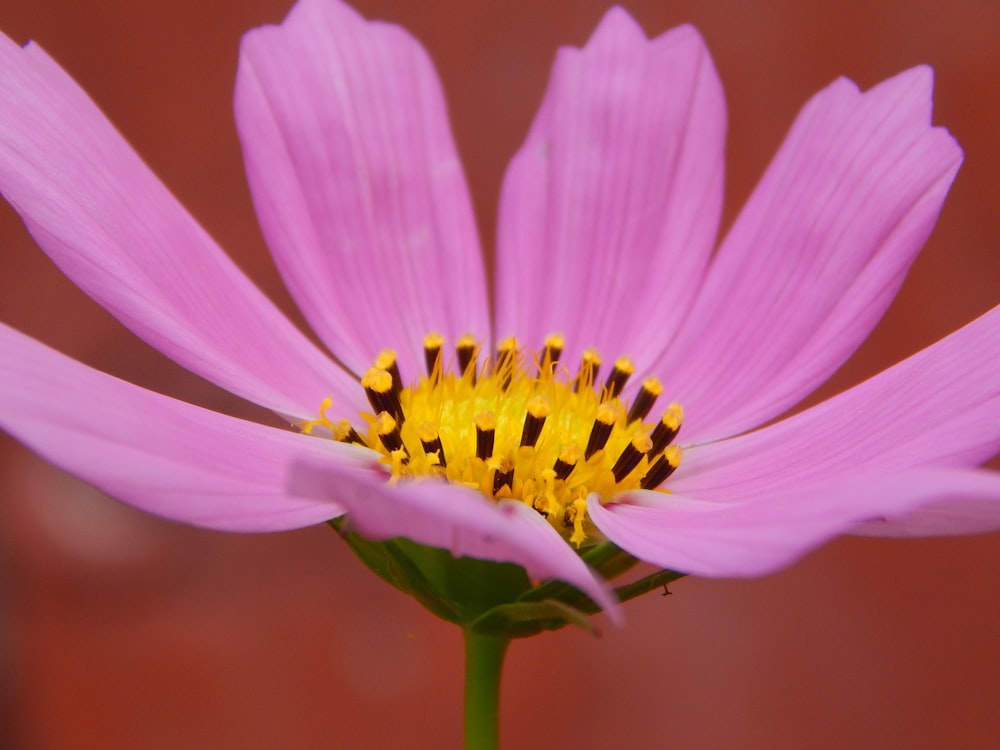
pixel 622 371
pixel 667 429
pixel 506 361
pixel 554 345
pixel 650 391
pixel 308 426
pixel 486 424
pixel 516 428
pixel 604 424
pixel 431 442
pixel 378 387
pixel 388 432
pixel 635 451
pixel 466 349
pixel 432 354
pixel 567 461
pixel 386 360
pixel 537 410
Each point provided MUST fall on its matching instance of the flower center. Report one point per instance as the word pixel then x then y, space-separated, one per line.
pixel 518 425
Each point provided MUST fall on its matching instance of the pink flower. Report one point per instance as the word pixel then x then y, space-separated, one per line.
pixel 607 227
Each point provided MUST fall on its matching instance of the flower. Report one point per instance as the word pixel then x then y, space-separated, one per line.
pixel 607 227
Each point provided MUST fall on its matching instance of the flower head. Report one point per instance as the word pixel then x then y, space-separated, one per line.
pixel 617 387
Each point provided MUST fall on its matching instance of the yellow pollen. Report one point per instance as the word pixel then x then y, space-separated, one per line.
pixel 555 341
pixel 486 420
pixel 385 424
pixel 386 360
pixel 521 426
pixel 538 407
pixel 378 380
pixel 427 432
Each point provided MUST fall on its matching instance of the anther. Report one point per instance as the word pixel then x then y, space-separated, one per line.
pixel 668 427
pixel 541 504
pixel 504 475
pixel 537 410
pixel 378 388
pixel 650 391
pixel 466 353
pixel 604 423
pixel 516 424
pixel 388 432
pixel 506 361
pixel 554 345
pixel 590 364
pixel 344 433
pixel 432 354
pixel 630 457
pixel 486 425
pixel 623 369
pixel 386 360
pixel 662 468
pixel 567 461
pixel 431 441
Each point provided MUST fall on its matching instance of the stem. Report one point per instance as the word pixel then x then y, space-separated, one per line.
pixel 483 663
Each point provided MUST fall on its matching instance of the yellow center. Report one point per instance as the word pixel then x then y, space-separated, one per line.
pixel 517 426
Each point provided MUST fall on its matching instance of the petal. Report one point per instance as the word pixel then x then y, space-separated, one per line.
pixel 939 407
pixel 455 518
pixel 163 456
pixel 758 537
pixel 609 211
pixel 115 230
pixel 357 183
pixel 816 255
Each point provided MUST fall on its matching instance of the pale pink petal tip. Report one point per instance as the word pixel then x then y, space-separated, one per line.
pixel 816 255
pixel 619 181
pixel 113 228
pixel 357 183
pixel 455 518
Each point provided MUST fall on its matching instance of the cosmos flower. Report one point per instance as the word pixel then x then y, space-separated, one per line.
pixel 617 386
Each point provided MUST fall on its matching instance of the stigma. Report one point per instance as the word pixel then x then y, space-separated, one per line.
pixel 518 424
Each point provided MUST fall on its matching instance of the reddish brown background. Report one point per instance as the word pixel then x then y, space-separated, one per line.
pixel 122 631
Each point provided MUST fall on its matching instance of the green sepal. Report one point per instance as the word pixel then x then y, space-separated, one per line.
pixel 524 619
pixel 492 598
pixel 456 589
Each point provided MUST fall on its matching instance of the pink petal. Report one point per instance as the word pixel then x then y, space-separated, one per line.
pixel 155 453
pixel 816 255
pixel 357 184
pixel 609 211
pixel 455 518
pixel 758 537
pixel 951 517
pixel 939 407
pixel 115 230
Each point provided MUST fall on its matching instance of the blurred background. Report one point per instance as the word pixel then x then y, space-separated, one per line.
pixel 118 630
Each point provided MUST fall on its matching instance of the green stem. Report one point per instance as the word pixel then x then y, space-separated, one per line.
pixel 483 663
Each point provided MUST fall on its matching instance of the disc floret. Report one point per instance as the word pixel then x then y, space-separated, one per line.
pixel 517 425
